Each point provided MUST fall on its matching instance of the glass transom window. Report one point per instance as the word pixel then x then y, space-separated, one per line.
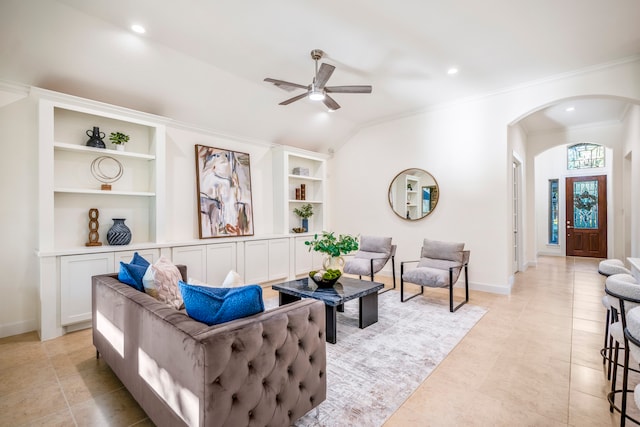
pixel 585 156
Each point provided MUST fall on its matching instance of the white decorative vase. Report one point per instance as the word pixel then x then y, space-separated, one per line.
pixel 333 263
pixel 120 147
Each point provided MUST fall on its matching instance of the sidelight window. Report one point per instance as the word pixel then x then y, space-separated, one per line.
pixel 553 211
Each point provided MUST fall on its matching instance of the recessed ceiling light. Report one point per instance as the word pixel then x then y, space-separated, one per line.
pixel 137 28
pixel 452 71
pixel 569 109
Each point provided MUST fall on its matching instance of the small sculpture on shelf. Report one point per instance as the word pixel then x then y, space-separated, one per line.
pixel 107 170
pixel 95 138
pixel 94 237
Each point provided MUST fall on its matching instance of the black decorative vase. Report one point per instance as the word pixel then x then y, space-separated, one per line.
pixel 119 233
pixel 95 138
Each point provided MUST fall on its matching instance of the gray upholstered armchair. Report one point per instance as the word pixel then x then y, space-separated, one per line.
pixel 439 266
pixel 373 255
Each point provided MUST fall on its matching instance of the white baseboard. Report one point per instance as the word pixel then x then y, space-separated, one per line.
pixel 16 328
pixel 494 289
pixel 545 253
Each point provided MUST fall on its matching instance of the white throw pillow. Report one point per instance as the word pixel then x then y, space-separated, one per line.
pixel 232 280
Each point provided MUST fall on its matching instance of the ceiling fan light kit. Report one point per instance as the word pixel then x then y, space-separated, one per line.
pixel 316 95
pixel 317 91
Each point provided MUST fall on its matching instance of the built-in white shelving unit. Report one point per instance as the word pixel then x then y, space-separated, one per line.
pixel 286 182
pixel 68 189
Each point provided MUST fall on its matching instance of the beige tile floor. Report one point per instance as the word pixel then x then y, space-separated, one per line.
pixel 532 360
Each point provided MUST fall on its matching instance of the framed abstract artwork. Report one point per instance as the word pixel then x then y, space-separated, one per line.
pixel 225 205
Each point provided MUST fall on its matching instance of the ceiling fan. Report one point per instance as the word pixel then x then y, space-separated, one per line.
pixel 317 91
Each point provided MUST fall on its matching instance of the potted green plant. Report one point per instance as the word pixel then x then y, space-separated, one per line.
pixel 119 139
pixel 333 247
pixel 304 212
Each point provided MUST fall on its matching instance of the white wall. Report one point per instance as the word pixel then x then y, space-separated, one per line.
pixel 463 148
pixel 466 148
pixel 631 183
pixel 18 218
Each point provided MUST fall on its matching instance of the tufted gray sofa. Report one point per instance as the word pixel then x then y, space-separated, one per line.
pixel 264 370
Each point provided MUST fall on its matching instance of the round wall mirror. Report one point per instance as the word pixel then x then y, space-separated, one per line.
pixel 413 194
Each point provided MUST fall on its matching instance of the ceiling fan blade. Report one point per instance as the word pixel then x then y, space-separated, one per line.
pixel 288 86
pixel 330 103
pixel 348 89
pixel 294 99
pixel 323 75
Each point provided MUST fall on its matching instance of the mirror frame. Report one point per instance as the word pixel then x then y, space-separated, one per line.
pixel 419 191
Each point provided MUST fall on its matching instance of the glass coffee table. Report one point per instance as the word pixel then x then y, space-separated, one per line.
pixel 334 298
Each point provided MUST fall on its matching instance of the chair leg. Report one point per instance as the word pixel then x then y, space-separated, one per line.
pixel 625 381
pixel 371 270
pixel 393 268
pixel 612 399
pixel 611 396
pixel 606 336
pixel 466 289
pixel 614 318
pixel 402 298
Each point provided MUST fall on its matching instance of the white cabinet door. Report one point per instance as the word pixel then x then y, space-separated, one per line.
pixel 221 258
pixel 302 257
pixel 194 257
pixel 304 260
pixel 75 284
pixel 256 261
pixel 278 259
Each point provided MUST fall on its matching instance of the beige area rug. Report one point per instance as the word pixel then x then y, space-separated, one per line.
pixel 372 371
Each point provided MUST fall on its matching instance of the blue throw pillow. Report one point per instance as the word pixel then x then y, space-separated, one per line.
pixel 132 274
pixel 139 260
pixel 219 305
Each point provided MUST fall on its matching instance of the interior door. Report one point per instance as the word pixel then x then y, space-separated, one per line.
pixel 586 201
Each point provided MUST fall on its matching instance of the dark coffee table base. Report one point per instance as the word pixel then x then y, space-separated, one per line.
pixel 367 312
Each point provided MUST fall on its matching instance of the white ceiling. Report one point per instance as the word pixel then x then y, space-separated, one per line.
pixel 203 62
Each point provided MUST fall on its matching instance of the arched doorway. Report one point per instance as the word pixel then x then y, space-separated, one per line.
pixel 597 119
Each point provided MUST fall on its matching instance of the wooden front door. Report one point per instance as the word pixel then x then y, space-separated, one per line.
pixel 586 198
